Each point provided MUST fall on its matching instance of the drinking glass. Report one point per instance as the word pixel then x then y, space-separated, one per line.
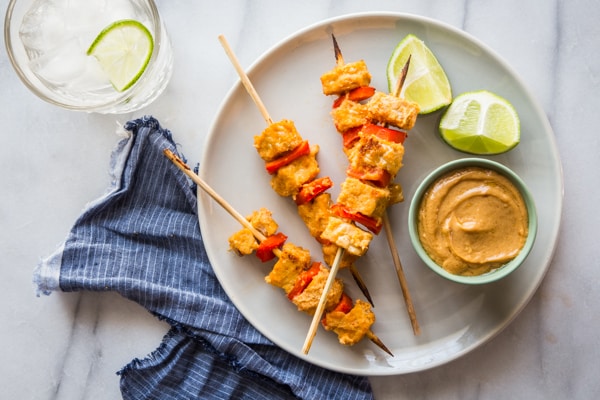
pixel 47 41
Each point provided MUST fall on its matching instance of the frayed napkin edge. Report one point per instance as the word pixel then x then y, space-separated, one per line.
pixel 46 274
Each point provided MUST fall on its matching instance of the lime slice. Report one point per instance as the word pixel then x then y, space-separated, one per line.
pixel 123 50
pixel 480 122
pixel 426 82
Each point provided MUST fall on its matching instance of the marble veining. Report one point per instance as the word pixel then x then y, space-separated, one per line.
pixel 70 345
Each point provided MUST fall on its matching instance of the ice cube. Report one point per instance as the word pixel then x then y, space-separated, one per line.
pixel 43 27
pixel 67 66
pixel 50 23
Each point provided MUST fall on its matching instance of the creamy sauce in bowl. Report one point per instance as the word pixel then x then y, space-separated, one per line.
pixel 472 220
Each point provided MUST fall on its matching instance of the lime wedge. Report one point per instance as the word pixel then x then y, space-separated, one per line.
pixel 426 82
pixel 123 50
pixel 480 122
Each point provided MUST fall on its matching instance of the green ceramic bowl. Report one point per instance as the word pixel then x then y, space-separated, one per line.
pixel 493 275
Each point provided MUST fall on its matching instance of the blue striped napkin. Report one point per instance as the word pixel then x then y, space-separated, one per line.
pixel 142 240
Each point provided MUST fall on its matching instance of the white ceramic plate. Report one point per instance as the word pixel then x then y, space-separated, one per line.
pixel 454 318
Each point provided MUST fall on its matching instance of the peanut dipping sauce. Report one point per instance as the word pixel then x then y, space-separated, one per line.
pixel 472 220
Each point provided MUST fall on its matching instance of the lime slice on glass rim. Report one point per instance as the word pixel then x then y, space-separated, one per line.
pixel 123 50
pixel 481 122
pixel 426 82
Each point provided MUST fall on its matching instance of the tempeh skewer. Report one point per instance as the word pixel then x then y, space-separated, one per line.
pixel 340 251
pixel 385 219
pixel 243 221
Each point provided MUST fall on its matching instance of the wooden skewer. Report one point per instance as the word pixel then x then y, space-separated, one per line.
pixel 222 202
pixel 312 331
pixel 360 282
pixel 246 224
pixel 401 277
pixel 402 77
pixel 245 80
pixel 340 251
pixel 373 338
pixel 390 237
pixel 386 221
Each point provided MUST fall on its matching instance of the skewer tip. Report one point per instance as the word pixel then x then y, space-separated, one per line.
pixel 402 77
pixel 339 58
pixel 379 343
pixel 361 284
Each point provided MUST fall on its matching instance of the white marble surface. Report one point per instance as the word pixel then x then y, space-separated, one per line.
pixel 69 346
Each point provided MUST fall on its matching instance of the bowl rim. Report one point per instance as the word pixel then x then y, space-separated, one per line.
pixel 493 275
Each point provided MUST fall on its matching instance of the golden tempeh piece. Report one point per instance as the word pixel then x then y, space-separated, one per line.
pixel 349 114
pixel 393 110
pixel 373 152
pixel 288 179
pixel 277 139
pixel 243 241
pixel 316 213
pixel 347 236
pixel 308 300
pixel 344 78
pixel 293 261
pixel 263 221
pixel 364 198
pixel 351 327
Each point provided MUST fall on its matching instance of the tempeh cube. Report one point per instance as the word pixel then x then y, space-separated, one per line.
pixel 393 110
pixel 344 78
pixel 243 242
pixel 263 221
pixel 315 214
pixel 351 327
pixel 374 152
pixel 347 236
pixel 308 300
pixel 364 198
pixel 349 114
pixel 288 179
pixel 291 263
pixel 277 139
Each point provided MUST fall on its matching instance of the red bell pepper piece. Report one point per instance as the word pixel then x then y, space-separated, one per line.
pixel 304 279
pixel 372 224
pixel 310 190
pixel 357 94
pixel 345 305
pixel 302 150
pixel 350 136
pixel 377 176
pixel 391 135
pixel 266 247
